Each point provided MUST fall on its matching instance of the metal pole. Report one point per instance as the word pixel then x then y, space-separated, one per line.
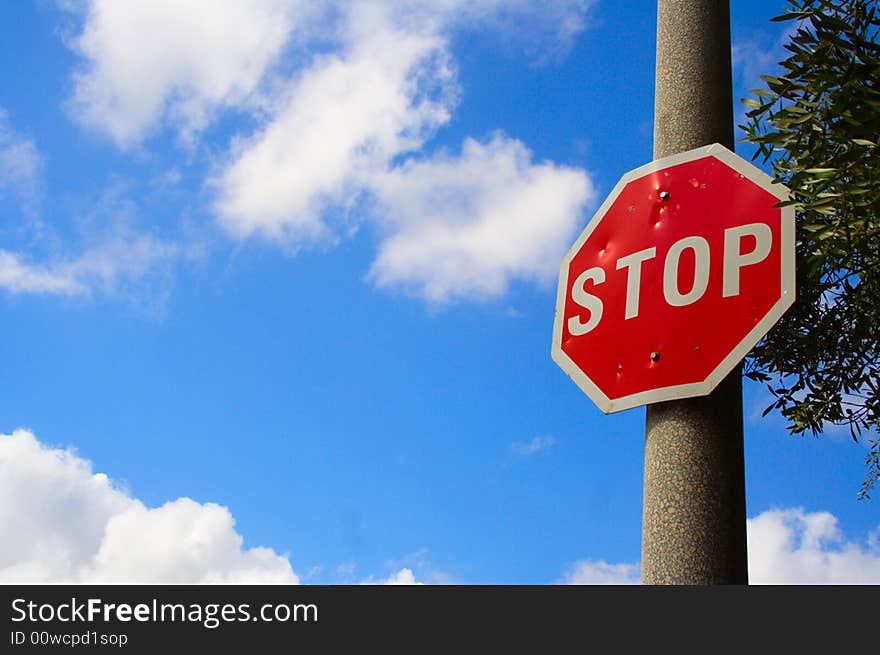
pixel 694 522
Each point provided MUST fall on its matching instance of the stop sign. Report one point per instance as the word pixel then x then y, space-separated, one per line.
pixel 681 271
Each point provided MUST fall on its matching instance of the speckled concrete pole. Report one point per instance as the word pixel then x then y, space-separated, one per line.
pixel 693 522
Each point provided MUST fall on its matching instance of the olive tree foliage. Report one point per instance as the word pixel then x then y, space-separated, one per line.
pixel 818 125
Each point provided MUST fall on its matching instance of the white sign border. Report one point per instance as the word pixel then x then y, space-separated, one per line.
pixel 786 298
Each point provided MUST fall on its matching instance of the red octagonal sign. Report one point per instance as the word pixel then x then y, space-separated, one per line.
pixel 676 277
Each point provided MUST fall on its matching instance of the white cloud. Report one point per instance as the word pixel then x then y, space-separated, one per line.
pixel 20 162
pixel 404 576
pixel 785 546
pixel 414 568
pixel 181 542
pixel 601 573
pixel 71 525
pixel 146 60
pixel 342 121
pixel 464 227
pixel 332 125
pixel 792 546
pixel 453 227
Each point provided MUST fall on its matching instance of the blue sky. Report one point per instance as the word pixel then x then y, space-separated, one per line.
pixel 277 283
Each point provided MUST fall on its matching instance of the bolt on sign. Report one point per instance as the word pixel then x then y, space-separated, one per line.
pixel 681 271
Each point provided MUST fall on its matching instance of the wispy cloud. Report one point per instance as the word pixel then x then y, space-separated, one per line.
pixel 529 448
pixel 20 164
pixel 110 250
pixel 753 55
pixel 17 275
pixel 118 265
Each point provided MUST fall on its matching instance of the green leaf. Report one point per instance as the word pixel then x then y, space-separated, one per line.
pixel 816 128
pixel 789 16
pixel 772 79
